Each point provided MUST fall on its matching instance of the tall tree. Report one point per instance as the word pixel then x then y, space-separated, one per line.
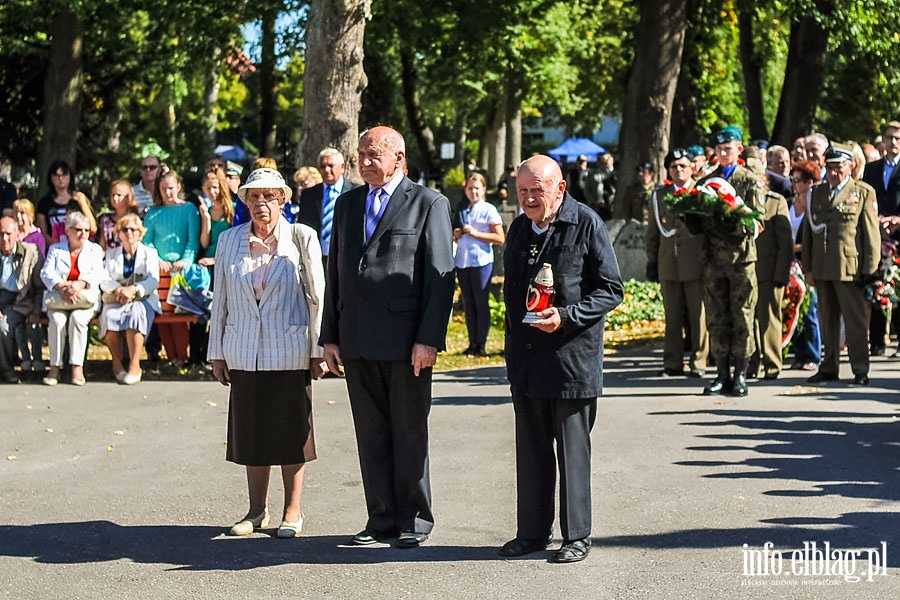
pixel 62 91
pixel 651 89
pixel 752 70
pixel 334 79
pixel 268 83
pixel 803 76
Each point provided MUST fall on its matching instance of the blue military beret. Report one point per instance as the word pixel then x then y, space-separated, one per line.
pixel 696 151
pixel 731 133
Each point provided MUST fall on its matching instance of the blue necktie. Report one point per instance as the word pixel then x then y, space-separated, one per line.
pixel 327 218
pixel 374 205
pixel 888 171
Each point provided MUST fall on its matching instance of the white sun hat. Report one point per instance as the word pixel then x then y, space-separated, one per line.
pixel 265 178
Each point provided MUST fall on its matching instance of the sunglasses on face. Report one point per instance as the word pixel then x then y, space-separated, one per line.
pixel 149 167
pixel 130 230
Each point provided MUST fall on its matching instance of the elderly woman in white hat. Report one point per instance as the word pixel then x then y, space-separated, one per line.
pixel 263 342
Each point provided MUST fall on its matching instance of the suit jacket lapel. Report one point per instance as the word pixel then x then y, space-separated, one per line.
pixel 242 263
pixel 396 205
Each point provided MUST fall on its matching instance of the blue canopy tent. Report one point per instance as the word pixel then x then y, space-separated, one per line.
pixel 570 149
pixel 233 153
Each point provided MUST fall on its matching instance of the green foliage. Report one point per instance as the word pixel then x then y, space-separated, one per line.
pixel 498 312
pixel 643 303
pixel 455 177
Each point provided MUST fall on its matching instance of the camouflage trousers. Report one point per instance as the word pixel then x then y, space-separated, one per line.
pixel 730 292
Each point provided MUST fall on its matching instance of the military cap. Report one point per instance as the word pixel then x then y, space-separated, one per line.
pixel 731 133
pixel 646 166
pixel 696 151
pixel 838 153
pixel 676 154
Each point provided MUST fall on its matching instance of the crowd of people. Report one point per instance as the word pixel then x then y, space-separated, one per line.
pixel 64 263
pixel 829 224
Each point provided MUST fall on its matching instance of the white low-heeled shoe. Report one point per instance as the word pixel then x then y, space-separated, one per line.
pixel 132 379
pixel 247 526
pixel 289 530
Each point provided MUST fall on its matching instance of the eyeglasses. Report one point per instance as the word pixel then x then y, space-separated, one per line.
pixel 130 229
pixel 261 198
pixel 149 167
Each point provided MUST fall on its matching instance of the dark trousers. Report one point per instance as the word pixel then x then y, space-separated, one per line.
pixel 541 422
pixel 475 283
pixel 878 327
pixel 390 409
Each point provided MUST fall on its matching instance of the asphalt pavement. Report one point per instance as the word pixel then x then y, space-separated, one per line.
pixel 109 491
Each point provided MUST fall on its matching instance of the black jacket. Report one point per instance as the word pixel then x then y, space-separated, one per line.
pixel 567 363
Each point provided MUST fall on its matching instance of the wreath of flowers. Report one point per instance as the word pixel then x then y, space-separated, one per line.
pixel 715 198
pixel 885 291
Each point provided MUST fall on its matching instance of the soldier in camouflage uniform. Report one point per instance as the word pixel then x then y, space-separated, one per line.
pixel 730 274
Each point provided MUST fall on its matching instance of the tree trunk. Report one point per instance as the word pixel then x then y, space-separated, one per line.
pixel 513 154
pixel 803 77
pixel 268 86
pixel 61 111
pixel 461 137
pixel 496 141
pixel 647 113
pixel 752 74
pixel 431 158
pixel 334 79
pixel 212 96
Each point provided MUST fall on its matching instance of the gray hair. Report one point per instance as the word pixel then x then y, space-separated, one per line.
pixel 331 152
pixel 818 139
pixel 74 219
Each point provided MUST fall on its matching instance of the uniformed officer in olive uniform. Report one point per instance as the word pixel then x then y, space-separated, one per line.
pixel 676 257
pixel 841 251
pixel 730 274
pixel 775 252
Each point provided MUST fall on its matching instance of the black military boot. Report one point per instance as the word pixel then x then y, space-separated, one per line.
pixel 740 378
pixel 722 384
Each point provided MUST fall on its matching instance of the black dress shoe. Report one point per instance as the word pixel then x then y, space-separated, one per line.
pixel 877 351
pixel 411 539
pixel 821 377
pixel 367 537
pixel 695 374
pixel 860 379
pixel 520 547
pixel 573 551
pixel 771 375
pixel 671 373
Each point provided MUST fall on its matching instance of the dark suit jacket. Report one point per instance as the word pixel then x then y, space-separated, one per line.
pixel 780 184
pixel 310 202
pixel 567 363
pixel 397 290
pixel 888 198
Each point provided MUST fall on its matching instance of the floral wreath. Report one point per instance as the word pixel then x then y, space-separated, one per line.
pixel 715 197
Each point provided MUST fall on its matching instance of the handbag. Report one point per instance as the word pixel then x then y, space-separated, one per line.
pixel 110 297
pixel 85 299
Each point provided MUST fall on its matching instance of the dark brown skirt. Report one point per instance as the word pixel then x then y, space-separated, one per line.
pixel 270 418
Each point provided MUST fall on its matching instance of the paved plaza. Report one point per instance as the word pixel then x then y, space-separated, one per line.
pixel 112 492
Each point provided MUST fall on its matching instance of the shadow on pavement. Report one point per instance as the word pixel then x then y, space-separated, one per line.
pixel 207 548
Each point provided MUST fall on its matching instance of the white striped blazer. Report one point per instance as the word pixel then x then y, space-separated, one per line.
pixel 281 332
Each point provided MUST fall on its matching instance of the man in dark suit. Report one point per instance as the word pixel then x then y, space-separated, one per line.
pixel 555 363
pixel 317 203
pixel 387 306
pixel 884 176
